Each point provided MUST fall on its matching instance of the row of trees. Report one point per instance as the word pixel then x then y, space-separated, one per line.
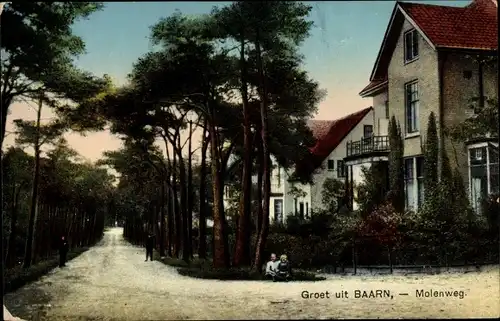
pixel 235 74
pixel 72 199
pixel 49 193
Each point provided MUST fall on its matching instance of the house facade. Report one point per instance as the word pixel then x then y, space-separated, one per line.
pixel 286 197
pixel 326 160
pixel 433 59
pixel 334 139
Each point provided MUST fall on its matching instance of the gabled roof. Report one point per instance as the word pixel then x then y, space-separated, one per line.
pixel 473 27
pixel 330 133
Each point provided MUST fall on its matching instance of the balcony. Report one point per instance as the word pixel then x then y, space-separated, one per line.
pixel 369 145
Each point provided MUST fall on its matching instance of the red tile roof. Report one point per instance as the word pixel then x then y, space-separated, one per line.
pixel 330 133
pixel 471 27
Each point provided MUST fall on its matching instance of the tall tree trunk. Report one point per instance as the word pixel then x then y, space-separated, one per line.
pixel 260 176
pixel 242 251
pixel 171 205
pixel 220 245
pixel 10 256
pixel 177 214
pixel 162 218
pixel 202 229
pixel 34 195
pixel 184 214
pixel 170 220
pixel 190 192
pixel 4 109
pixel 266 160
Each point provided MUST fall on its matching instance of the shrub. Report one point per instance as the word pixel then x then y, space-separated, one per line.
pixel 490 210
pixel 382 225
pixel 240 274
pixel 333 194
pixel 172 261
pixel 374 188
pixel 179 263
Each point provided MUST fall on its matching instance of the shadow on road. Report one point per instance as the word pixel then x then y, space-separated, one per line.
pixel 38 303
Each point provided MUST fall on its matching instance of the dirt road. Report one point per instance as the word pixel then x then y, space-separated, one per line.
pixel 111 281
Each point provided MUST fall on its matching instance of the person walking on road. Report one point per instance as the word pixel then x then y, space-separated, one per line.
pixel 63 251
pixel 149 247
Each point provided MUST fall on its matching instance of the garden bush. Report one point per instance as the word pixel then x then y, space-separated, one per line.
pixel 179 263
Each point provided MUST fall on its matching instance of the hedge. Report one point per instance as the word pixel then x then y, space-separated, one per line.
pixel 203 269
pixel 239 274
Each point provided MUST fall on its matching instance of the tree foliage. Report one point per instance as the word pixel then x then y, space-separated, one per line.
pixel 195 71
pixel 431 156
pixel 333 194
pixel 374 188
pixel 483 123
pixel 396 166
pixel 73 201
pixel 38 46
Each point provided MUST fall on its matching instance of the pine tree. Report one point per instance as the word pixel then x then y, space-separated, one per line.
pixel 431 150
pixel 396 168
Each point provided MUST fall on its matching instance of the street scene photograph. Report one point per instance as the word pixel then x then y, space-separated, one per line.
pixel 249 160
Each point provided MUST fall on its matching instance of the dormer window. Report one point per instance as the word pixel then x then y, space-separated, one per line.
pixel 411 45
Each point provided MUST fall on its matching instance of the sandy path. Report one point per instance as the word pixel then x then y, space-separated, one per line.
pixel 111 281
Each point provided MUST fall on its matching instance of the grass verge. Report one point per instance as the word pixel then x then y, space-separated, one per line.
pixel 18 276
pixel 241 274
pixel 202 269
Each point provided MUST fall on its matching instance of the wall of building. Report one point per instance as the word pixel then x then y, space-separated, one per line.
pixel 380 121
pixel 338 154
pixel 425 70
pixel 458 90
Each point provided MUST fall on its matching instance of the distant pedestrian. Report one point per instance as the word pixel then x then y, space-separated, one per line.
pixel 149 247
pixel 63 251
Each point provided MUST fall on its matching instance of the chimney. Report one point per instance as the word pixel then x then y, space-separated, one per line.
pixel 484 4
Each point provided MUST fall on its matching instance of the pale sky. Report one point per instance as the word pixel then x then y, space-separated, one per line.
pixel 340 53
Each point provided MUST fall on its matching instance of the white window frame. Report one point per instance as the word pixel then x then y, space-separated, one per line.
pixel 413 103
pixel 414 39
pixel 278 218
pixel 470 148
pixel 415 178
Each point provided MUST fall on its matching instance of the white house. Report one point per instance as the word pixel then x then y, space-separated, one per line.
pixel 334 139
pixel 350 136
pixel 282 201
